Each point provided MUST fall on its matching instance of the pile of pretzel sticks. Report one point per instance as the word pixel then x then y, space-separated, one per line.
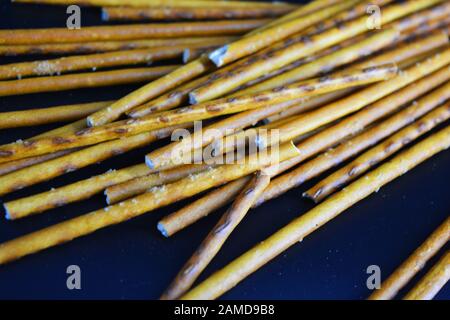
pixel 323 84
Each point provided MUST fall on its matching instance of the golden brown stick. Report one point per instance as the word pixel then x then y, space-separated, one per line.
pixel 157 3
pixel 370 158
pixel 105 46
pixel 302 11
pixel 357 101
pixel 236 271
pixel 429 286
pixel 34 117
pixel 82 80
pixel 91 61
pixel 191 54
pixel 119 129
pixel 211 245
pixel 253 43
pixel 76 160
pixel 74 192
pixel 149 91
pixel 329 137
pixel 329 62
pixel 298 47
pixel 129 32
pixel 149 201
pixel 12 166
pixel 195 13
pixel 141 184
pixel 409 268
pixel 200 208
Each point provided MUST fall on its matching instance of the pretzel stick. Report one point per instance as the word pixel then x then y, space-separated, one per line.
pixel 200 208
pixel 105 46
pixel 91 61
pixel 321 141
pixel 253 43
pixel 298 47
pixel 34 117
pixel 76 160
pixel 149 201
pixel 370 158
pixel 128 32
pixel 74 192
pixel 82 80
pixel 216 238
pixel 299 228
pixel 12 166
pixel 157 3
pixel 329 62
pixel 151 90
pixel 141 184
pixel 119 129
pixel 195 13
pixel 429 286
pixel 411 266
pixel 357 101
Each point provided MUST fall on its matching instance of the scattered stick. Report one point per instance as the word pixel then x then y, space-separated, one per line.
pixel 411 266
pixel 129 32
pixel 106 46
pixel 209 110
pixel 372 157
pixel 297 230
pixel 195 13
pixel 429 286
pixel 35 117
pixel 217 237
pixel 134 207
pixel 297 47
pixel 82 80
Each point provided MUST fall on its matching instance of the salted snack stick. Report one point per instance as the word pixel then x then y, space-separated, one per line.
pixel 158 3
pixel 322 140
pixel 151 90
pixel 146 202
pixel 430 285
pixel 171 224
pixel 82 80
pixel 39 116
pixel 141 184
pixel 94 61
pixel 209 12
pixel 295 48
pixel 413 264
pixel 236 271
pixel 208 110
pixel 253 43
pixel 211 245
pixel 128 32
pixel 372 157
pixel 78 159
pixel 106 46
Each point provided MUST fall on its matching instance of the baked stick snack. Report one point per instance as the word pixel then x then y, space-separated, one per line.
pixel 217 237
pixel 155 198
pixel 432 282
pixel 411 266
pixel 208 110
pixel 236 271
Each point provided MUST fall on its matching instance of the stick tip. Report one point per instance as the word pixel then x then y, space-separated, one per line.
pixel 90 122
pixel 7 213
pixel 307 195
pixel 192 98
pixel 217 55
pixel 104 15
pixel 149 162
pixel 162 229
